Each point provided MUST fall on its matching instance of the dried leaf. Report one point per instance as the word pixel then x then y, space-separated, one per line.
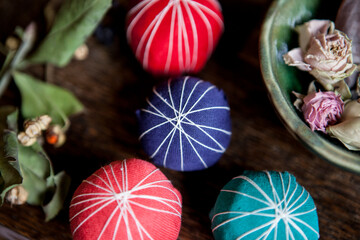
pixel 74 22
pixel 39 98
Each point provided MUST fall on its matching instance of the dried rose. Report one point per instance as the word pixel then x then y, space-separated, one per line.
pixel 324 52
pixel 321 109
pixel 348 130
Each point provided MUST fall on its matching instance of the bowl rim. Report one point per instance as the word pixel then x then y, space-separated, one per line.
pixel 286 112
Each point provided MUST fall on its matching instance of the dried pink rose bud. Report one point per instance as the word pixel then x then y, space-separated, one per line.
pixel 321 109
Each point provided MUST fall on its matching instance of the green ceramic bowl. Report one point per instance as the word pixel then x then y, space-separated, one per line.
pixel 277 37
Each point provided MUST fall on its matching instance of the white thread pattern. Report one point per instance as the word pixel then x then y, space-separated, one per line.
pixel 282 210
pixel 181 118
pixel 122 200
pixel 182 13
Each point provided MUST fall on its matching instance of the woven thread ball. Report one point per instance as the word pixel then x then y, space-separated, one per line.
pixel 129 199
pixel 186 124
pixel 171 37
pixel 264 205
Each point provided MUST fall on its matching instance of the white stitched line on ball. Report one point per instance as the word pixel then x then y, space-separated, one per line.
pixel 301 204
pixel 180 54
pixel 93 213
pixel 256 229
pixel 286 213
pixel 92 194
pixel 190 95
pixel 155 209
pixel 182 93
pixel 207 24
pixel 202 8
pixel 275 195
pixel 297 228
pixel 176 113
pixel 150 28
pixel 158 19
pixel 148 3
pixel 302 192
pixel 186 41
pixel 208 127
pixel 208 108
pixel 195 36
pixel 113 173
pixel 101 179
pixel 146 177
pixel 247 195
pixel 140 5
pixel 171 39
pixel 138 224
pixel 285 194
pixel 258 188
pixel 107 222
pixel 304 223
pixel 168 147
pixel 110 183
pixel 210 12
pixel 244 214
pixel 185 38
pixel 98 186
pixel 196 152
pixel 102 198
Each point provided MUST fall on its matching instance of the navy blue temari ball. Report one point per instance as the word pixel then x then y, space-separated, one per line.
pixel 186 124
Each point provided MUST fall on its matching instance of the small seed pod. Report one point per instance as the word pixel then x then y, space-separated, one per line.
pixel 55 136
pixel 32 128
pixel 44 121
pixel 17 195
pixel 82 52
pixel 12 43
pixel 25 140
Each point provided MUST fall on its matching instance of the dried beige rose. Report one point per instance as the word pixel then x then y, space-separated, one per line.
pixel 325 53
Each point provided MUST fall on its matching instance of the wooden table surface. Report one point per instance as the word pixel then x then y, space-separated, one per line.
pixel 112 85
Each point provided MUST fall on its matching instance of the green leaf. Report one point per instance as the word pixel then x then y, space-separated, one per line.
pixel 34 185
pixel 33 160
pixel 62 182
pixel 74 22
pixel 40 98
pixel 10 174
pixel 38 174
pixel 12 121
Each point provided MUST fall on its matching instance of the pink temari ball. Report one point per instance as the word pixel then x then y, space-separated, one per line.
pixel 129 199
pixel 171 37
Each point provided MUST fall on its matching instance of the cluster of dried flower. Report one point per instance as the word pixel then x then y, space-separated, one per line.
pixel 326 53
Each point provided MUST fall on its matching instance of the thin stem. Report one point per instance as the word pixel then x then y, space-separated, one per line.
pixel 4 82
pixel 13 59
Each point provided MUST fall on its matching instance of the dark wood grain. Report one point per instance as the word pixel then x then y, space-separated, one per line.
pixel 112 85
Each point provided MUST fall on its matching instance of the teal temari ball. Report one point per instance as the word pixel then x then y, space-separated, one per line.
pixel 264 205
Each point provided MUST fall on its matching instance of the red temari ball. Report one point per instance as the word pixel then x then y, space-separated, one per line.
pixel 129 199
pixel 171 37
